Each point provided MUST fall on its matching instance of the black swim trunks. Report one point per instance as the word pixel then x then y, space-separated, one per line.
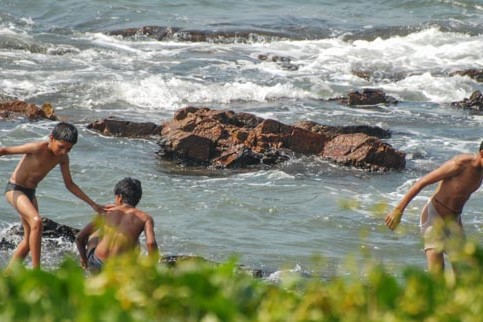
pixel 30 193
pixel 94 264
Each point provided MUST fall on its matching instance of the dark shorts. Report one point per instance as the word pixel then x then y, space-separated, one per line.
pixel 30 193
pixel 94 264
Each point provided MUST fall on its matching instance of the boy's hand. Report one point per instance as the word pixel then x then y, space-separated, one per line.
pixel 109 207
pixel 393 219
pixel 83 264
pixel 99 208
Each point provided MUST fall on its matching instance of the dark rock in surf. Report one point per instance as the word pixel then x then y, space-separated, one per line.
pixel 156 32
pixel 368 97
pixel 51 229
pixel 18 109
pixel 476 74
pixel 474 102
pixel 124 128
pixel 177 34
pixel 283 62
pixel 54 235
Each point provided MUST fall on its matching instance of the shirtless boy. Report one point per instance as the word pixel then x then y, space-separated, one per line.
pixel 119 229
pixel 440 220
pixel 39 158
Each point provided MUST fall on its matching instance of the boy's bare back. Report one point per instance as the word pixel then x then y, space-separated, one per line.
pixel 122 226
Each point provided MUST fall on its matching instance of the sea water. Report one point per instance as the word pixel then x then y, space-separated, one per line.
pixel 306 214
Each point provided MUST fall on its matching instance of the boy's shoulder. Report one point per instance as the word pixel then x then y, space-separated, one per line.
pixel 35 147
pixel 142 215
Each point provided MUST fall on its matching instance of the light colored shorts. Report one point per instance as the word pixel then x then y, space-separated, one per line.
pixel 440 234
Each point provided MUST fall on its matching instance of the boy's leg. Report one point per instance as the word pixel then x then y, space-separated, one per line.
pixel 23 247
pixel 32 224
pixel 93 241
pixel 435 260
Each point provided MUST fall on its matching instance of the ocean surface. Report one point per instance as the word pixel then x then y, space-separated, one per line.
pixel 307 214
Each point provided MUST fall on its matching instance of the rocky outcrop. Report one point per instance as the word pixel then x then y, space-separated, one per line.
pixel 474 102
pixel 16 109
pixel 225 139
pixel 124 128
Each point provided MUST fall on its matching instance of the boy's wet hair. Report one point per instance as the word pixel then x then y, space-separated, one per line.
pixel 65 132
pixel 130 190
pixel 481 146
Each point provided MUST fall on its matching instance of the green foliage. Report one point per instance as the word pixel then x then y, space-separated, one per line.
pixel 130 289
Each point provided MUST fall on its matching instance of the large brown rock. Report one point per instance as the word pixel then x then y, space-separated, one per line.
pixel 16 109
pixel 225 139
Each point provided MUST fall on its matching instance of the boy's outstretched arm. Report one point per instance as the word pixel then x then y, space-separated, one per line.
pixel 74 188
pixel 451 168
pixel 19 149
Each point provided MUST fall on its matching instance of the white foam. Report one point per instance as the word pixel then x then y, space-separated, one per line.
pixel 323 66
pixel 427 87
pixel 422 54
pixel 154 92
pixel 152 75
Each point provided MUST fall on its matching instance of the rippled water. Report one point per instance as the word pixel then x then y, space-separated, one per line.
pixel 306 213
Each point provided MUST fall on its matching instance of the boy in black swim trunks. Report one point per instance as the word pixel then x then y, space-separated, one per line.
pixel 39 158
pixel 440 221
pixel 118 230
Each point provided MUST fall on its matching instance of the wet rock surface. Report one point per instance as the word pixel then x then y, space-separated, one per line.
pixel 116 127
pixel 17 109
pixel 474 102
pixel 225 139
pixel 368 97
